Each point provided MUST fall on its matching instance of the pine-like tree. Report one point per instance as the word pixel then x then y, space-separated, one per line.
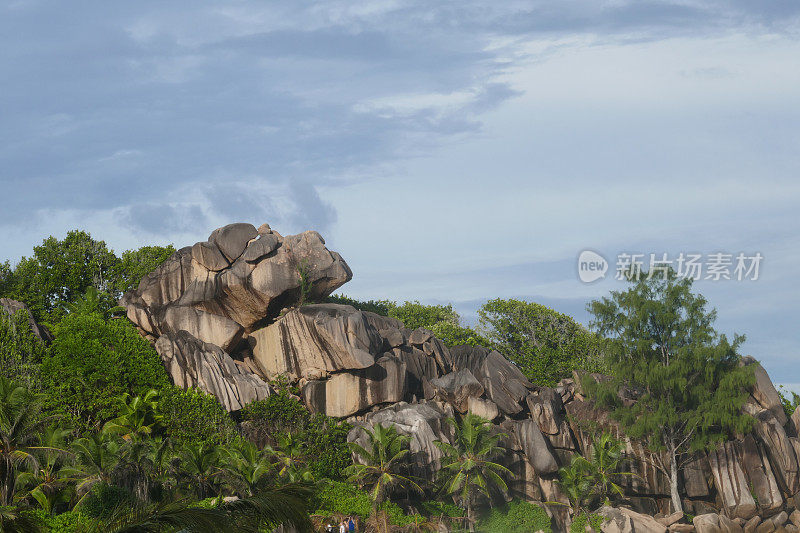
pixel 685 379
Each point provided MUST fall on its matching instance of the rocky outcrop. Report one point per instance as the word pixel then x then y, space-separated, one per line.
pixel 10 308
pixel 226 316
pixel 221 290
pixel 193 363
pixel 316 340
pixel 207 300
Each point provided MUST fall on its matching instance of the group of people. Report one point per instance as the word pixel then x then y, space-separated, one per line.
pixel 348 525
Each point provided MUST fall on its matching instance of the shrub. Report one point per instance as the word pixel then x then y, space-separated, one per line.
pixel 379 307
pixel 324 439
pixel 103 499
pixel 333 497
pixel 277 413
pixel 69 522
pixel 194 416
pixel 580 522
pixel 92 362
pixel 516 517
pixel 21 351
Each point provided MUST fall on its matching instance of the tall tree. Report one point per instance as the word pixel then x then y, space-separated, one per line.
pixel 61 271
pixel 381 461
pixel 547 345
pixel 20 424
pixel 685 377
pixel 467 468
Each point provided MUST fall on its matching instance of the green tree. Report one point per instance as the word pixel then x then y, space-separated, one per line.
pixel 50 479
pixel 92 363
pixel 688 385
pixel 21 351
pixel 467 468
pixel 20 425
pixel 136 264
pixel 545 344
pixel 61 271
pixel 382 459
pixel 198 467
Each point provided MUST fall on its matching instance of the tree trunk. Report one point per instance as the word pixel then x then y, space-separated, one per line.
pixel 673 481
pixel 470 523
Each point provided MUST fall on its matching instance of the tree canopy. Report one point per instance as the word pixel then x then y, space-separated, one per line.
pixel 684 376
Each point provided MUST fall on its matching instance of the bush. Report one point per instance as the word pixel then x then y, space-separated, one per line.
pixel 436 508
pixel 516 517
pixel 277 413
pixel 326 447
pixel 545 344
pixel 324 439
pixel 91 363
pixel 21 351
pixel 104 499
pixel 333 497
pixel 69 522
pixel 580 522
pixel 379 307
pixel 193 416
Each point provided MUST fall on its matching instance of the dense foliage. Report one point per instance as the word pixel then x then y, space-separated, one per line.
pixel 93 434
pixel 686 378
pixel 516 517
pixel 62 271
pixel 92 362
pixel 545 344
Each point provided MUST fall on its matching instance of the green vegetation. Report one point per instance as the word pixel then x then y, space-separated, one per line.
pixel 377 466
pixel 467 471
pixel 789 399
pixel 591 481
pixel 685 377
pixel 516 517
pixel 94 436
pixel 545 344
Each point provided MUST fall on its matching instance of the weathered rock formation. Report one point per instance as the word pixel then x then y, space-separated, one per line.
pixel 10 308
pixel 224 315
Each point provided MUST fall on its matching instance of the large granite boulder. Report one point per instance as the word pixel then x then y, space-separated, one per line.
pixel 222 289
pixel 347 393
pixel 504 383
pixel 730 482
pixel 314 341
pixel 193 363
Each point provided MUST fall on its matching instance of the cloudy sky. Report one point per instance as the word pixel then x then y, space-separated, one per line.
pixel 451 151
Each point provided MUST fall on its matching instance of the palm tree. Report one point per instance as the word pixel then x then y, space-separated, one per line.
pixel 290 461
pixel 49 483
pixel 20 425
pixel 586 480
pixel 138 416
pixel 198 466
pixel 14 520
pixel 265 511
pixel 380 462
pixel 467 468
pixel 246 467
pixel 98 456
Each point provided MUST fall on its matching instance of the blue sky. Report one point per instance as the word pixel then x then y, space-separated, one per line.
pixel 451 151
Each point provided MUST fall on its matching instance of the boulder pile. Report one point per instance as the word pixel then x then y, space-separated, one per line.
pixel 226 316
